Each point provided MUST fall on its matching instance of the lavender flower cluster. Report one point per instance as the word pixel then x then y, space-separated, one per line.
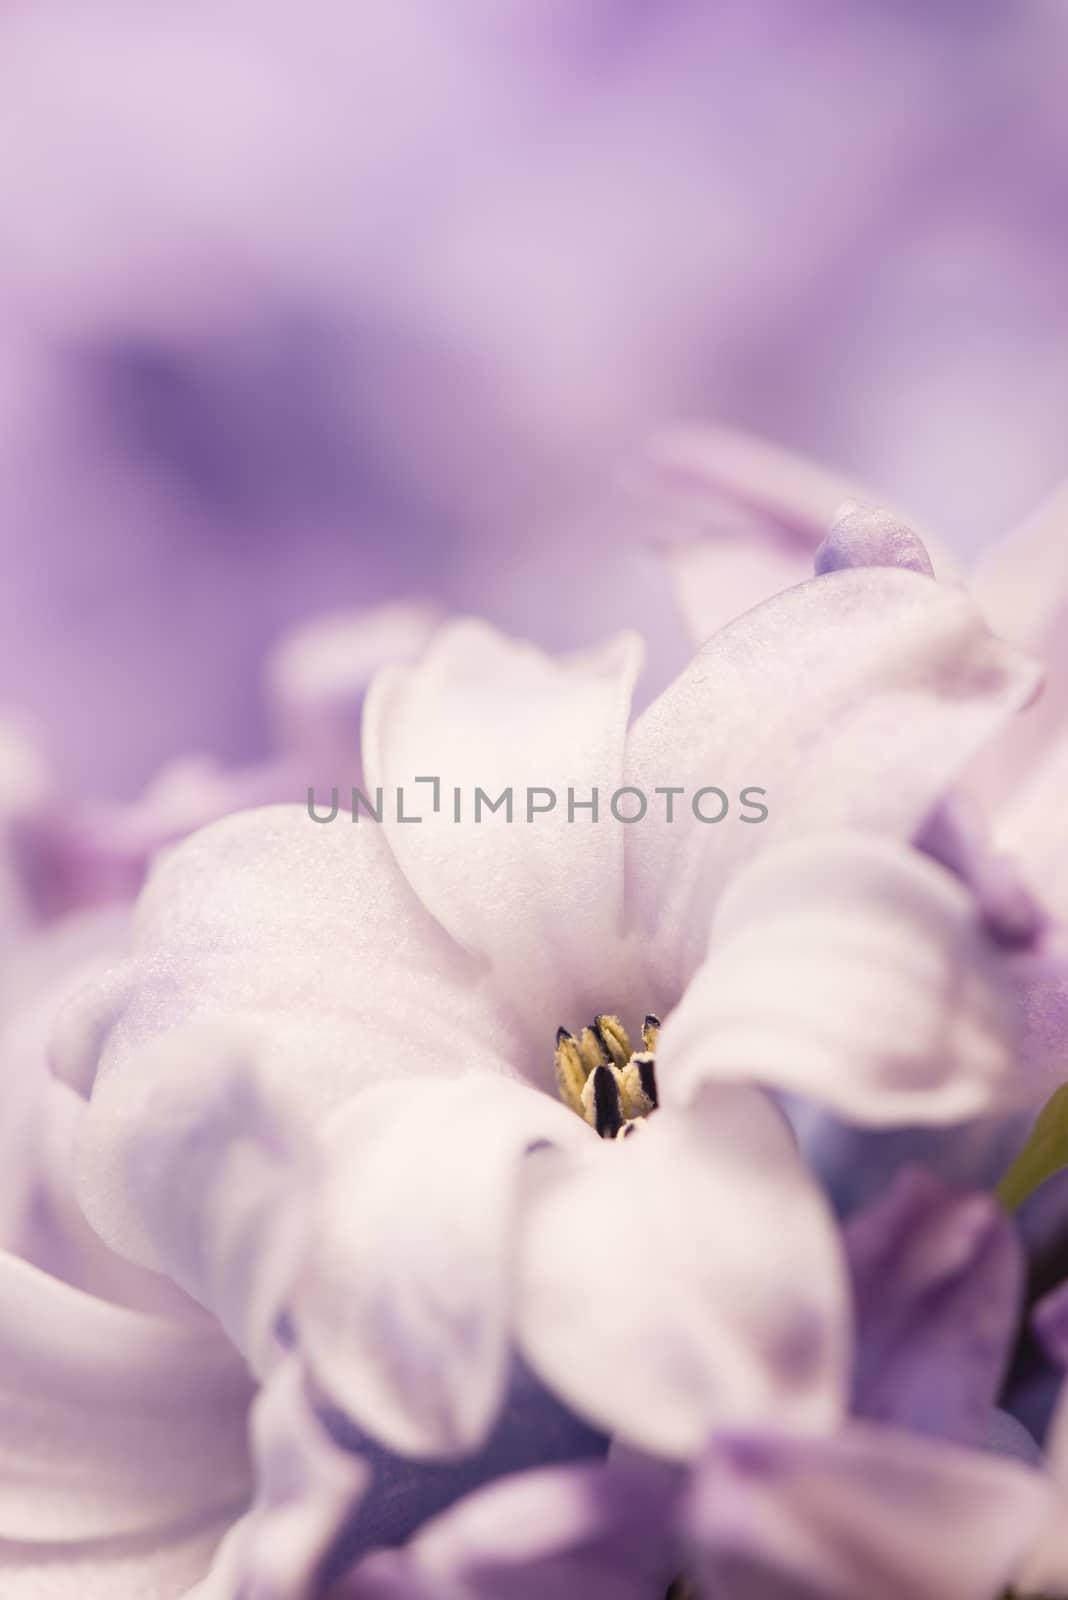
pixel 507 1207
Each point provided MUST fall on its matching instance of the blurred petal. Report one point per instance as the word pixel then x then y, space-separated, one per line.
pixel 602 1532
pixel 404 1304
pixel 851 971
pixel 853 701
pixel 1021 585
pixel 866 1511
pixel 740 518
pixel 115 1423
pixel 306 1489
pixel 320 673
pixel 541 899
pixel 937 1286
pixel 533 1429
pixel 685 1278
pixel 164 1565
pixel 1030 822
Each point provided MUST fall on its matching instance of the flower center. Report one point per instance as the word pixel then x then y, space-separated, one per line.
pixel 604 1079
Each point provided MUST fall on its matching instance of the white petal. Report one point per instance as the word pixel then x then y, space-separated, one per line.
pixel 307 1487
pixel 114 1423
pixel 852 971
pixel 1021 584
pixel 684 1278
pixel 187 1167
pixel 741 518
pixel 302 943
pixel 164 1566
pixel 541 899
pixel 852 700
pixel 403 1309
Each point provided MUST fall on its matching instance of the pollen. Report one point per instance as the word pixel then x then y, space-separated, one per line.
pixel 604 1079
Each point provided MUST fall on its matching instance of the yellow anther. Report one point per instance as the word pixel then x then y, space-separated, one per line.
pixel 593 1051
pixel 603 1079
pixel 650 1033
pixel 613 1036
pixel 571 1071
pixel 636 1103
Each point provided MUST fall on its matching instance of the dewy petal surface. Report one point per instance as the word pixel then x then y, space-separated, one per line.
pixel 115 1423
pixel 867 1511
pixel 541 899
pixel 853 700
pixel 685 1278
pixel 303 943
pixel 850 970
pixel 404 1304
pixel 937 1286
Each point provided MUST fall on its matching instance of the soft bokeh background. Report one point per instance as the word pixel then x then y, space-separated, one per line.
pixel 308 304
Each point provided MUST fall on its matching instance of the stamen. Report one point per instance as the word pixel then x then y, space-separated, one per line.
pixel 613 1036
pixel 602 1102
pixel 571 1070
pixel 639 1086
pixel 650 1032
pixel 594 1053
pixel 603 1079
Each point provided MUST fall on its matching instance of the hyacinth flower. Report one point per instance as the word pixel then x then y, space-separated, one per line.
pixel 736 518
pixel 325 1102
pixel 898 1499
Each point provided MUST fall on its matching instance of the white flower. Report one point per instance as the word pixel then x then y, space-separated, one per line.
pixel 394 992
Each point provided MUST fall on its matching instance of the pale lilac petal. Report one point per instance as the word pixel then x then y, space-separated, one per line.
pixel 1021 585
pixel 853 701
pixel 1030 817
pixel 188 1168
pixel 937 1286
pixel 295 947
pixel 533 1429
pixel 404 1303
pixel 1045 1570
pixel 115 1423
pixel 320 673
pixel 738 519
pixel 850 970
pixel 957 835
pixel 868 536
pixel 602 1532
pixel 542 900
pixel 39 1218
pixel 866 1511
pixel 741 518
pixel 686 1277
pixel 307 1488
pixel 166 1565
pixel 26 795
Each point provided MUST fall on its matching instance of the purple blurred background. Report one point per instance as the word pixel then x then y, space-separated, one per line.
pixel 307 305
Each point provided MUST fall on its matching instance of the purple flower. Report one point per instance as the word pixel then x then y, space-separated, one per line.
pixel 317 1087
